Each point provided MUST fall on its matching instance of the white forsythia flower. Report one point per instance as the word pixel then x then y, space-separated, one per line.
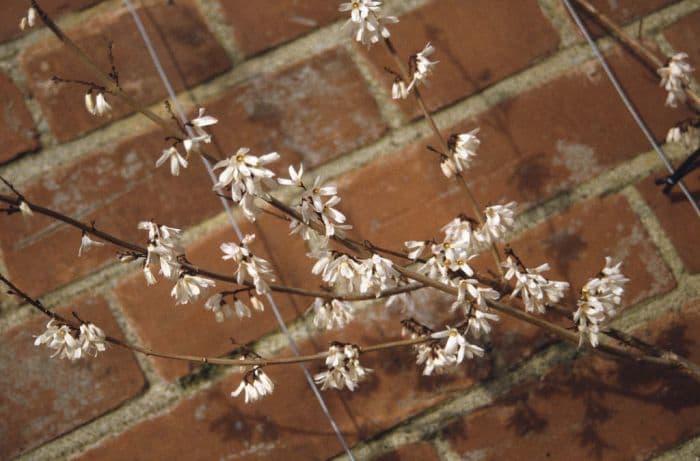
pixel 164 248
pixel 250 267
pixel 29 20
pixel 25 209
pixel 61 340
pixel 200 122
pixel 343 368
pixel 86 243
pixel 189 288
pixel 675 78
pixel 600 298
pixel 536 291
pixel 92 339
pixel 294 177
pixel 217 304
pixel 176 160
pixel 423 66
pixel 435 359
pixel 245 174
pixel 333 314
pixel 687 135
pixel 457 345
pixel 399 90
pixel 499 221
pixel 368 25
pixel 99 106
pixel 463 147
pixel 415 248
pixel 256 385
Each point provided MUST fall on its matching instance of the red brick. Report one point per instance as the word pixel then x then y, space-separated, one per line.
pixel 191 56
pixel 117 187
pixel 477 45
pixel 190 329
pixel 676 215
pixel 421 451
pixel 313 111
pixel 257 29
pixel 595 408
pixel 683 35
pixel 14 11
pixel 535 145
pixel 16 126
pixel 285 425
pixel 42 398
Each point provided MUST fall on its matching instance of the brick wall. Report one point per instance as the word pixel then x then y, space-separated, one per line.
pixel 554 136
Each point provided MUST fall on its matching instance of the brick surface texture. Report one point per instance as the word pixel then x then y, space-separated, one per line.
pixel 285 77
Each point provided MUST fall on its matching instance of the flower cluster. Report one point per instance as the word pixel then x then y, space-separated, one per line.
pixel 600 298
pixel 246 177
pixel 317 208
pixel 675 78
pixel 438 358
pixel 535 290
pixel 90 340
pixel 249 266
pixel 685 133
pixel 420 67
pixel 462 149
pixel 331 314
pixel 343 368
pixel 256 385
pixel 164 249
pixel 368 25
pixel 221 310
pixel 191 144
pixel 347 274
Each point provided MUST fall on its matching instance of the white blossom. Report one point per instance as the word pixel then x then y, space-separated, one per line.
pixel 368 25
pixel 457 345
pixel 99 106
pixel 217 304
pixel 600 298
pixel 416 248
pixel 499 221
pixel 399 90
pixel 333 314
pixel 534 289
pixel 249 266
pixel 29 20
pixel 256 385
pixel 435 359
pixel 60 338
pixel 202 121
pixel 86 243
pixel 92 339
pixel 423 66
pixel 176 160
pixel 688 136
pixel 463 148
pixel 241 309
pixel 343 368
pixel 294 177
pixel 25 209
pixel 675 78
pixel 448 166
pixel 164 248
pixel 189 288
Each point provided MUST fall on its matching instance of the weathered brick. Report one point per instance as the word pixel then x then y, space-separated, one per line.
pixel 535 145
pixel 14 11
pixel 421 451
pixel 257 29
pixel 285 425
pixel 116 187
pixel 190 329
pixel 188 51
pixel 313 111
pixel 594 409
pixel 42 398
pixel 477 45
pixel 677 217
pixel 683 37
pixel 16 126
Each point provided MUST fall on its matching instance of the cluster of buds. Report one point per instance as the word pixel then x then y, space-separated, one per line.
pixel 343 368
pixel 600 298
pixel 89 341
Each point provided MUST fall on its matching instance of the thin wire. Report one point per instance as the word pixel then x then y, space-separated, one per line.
pixel 628 104
pixel 236 228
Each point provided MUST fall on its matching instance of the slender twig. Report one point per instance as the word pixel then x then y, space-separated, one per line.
pixel 201 359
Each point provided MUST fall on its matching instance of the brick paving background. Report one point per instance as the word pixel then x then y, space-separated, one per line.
pixel 282 76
